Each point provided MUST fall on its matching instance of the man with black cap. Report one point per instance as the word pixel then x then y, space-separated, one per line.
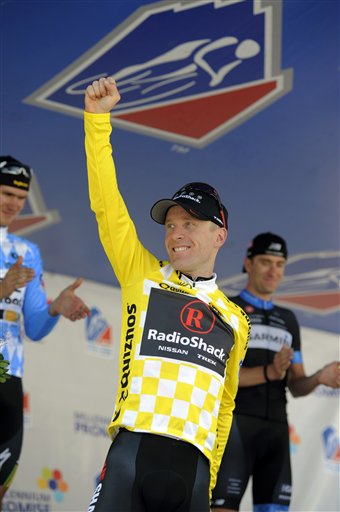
pixel 23 302
pixel 182 340
pixel 258 445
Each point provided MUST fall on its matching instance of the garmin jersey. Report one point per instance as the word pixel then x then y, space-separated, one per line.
pixel 182 341
pixel 272 327
pixel 26 309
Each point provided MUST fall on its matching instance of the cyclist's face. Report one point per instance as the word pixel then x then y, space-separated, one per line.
pixel 265 273
pixel 192 244
pixel 12 201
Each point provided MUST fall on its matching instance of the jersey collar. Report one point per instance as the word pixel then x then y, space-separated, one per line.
pixel 256 301
pixel 201 283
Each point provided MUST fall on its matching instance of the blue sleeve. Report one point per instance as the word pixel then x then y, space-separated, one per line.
pixel 297 358
pixel 37 320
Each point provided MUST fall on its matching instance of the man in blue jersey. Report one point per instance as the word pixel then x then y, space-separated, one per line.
pixel 258 444
pixel 22 303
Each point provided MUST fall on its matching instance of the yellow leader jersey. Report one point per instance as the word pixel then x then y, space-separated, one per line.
pixel 182 341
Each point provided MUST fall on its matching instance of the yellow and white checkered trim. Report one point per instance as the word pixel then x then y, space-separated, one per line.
pixel 174 399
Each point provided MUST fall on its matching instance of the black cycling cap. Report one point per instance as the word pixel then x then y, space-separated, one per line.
pixel 199 199
pixel 267 243
pixel 14 173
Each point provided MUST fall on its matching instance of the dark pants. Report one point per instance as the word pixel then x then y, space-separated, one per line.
pixel 152 473
pixel 11 428
pixel 259 448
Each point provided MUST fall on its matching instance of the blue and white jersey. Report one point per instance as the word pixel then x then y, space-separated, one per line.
pixel 26 309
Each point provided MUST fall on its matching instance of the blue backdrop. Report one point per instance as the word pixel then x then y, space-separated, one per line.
pixel 275 161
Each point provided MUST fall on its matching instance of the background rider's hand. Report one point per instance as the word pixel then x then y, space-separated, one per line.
pixel 329 375
pixel 101 96
pixel 69 305
pixel 4 367
pixel 281 362
pixel 16 277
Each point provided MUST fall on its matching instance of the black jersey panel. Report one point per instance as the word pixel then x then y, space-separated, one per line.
pixel 271 329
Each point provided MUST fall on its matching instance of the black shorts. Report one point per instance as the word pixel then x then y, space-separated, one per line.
pixel 152 473
pixel 257 448
pixel 11 428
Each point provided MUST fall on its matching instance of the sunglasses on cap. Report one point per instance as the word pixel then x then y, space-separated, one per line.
pixel 212 192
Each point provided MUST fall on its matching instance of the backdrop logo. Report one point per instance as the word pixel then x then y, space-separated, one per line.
pixel 331 448
pixel 91 424
pixel 27 410
pixel 96 481
pixel 187 71
pixel 310 287
pixel 52 479
pixel 98 334
pixel 294 439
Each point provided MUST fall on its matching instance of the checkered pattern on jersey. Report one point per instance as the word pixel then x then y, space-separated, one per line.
pixel 174 399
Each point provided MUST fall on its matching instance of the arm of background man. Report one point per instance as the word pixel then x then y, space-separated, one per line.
pixel 69 305
pixel 40 317
pixel 37 321
pixel 17 276
pixel 275 371
pixel 301 385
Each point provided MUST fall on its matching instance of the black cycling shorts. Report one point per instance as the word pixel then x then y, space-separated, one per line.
pixel 11 428
pixel 257 448
pixel 152 473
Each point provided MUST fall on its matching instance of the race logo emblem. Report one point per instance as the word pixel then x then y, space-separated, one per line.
pixel 39 218
pixel 188 72
pixel 310 287
pixel 98 334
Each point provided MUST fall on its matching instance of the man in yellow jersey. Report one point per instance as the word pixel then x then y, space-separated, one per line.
pixel 182 340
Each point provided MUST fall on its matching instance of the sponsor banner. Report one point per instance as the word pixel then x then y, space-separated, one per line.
pixel 70 393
